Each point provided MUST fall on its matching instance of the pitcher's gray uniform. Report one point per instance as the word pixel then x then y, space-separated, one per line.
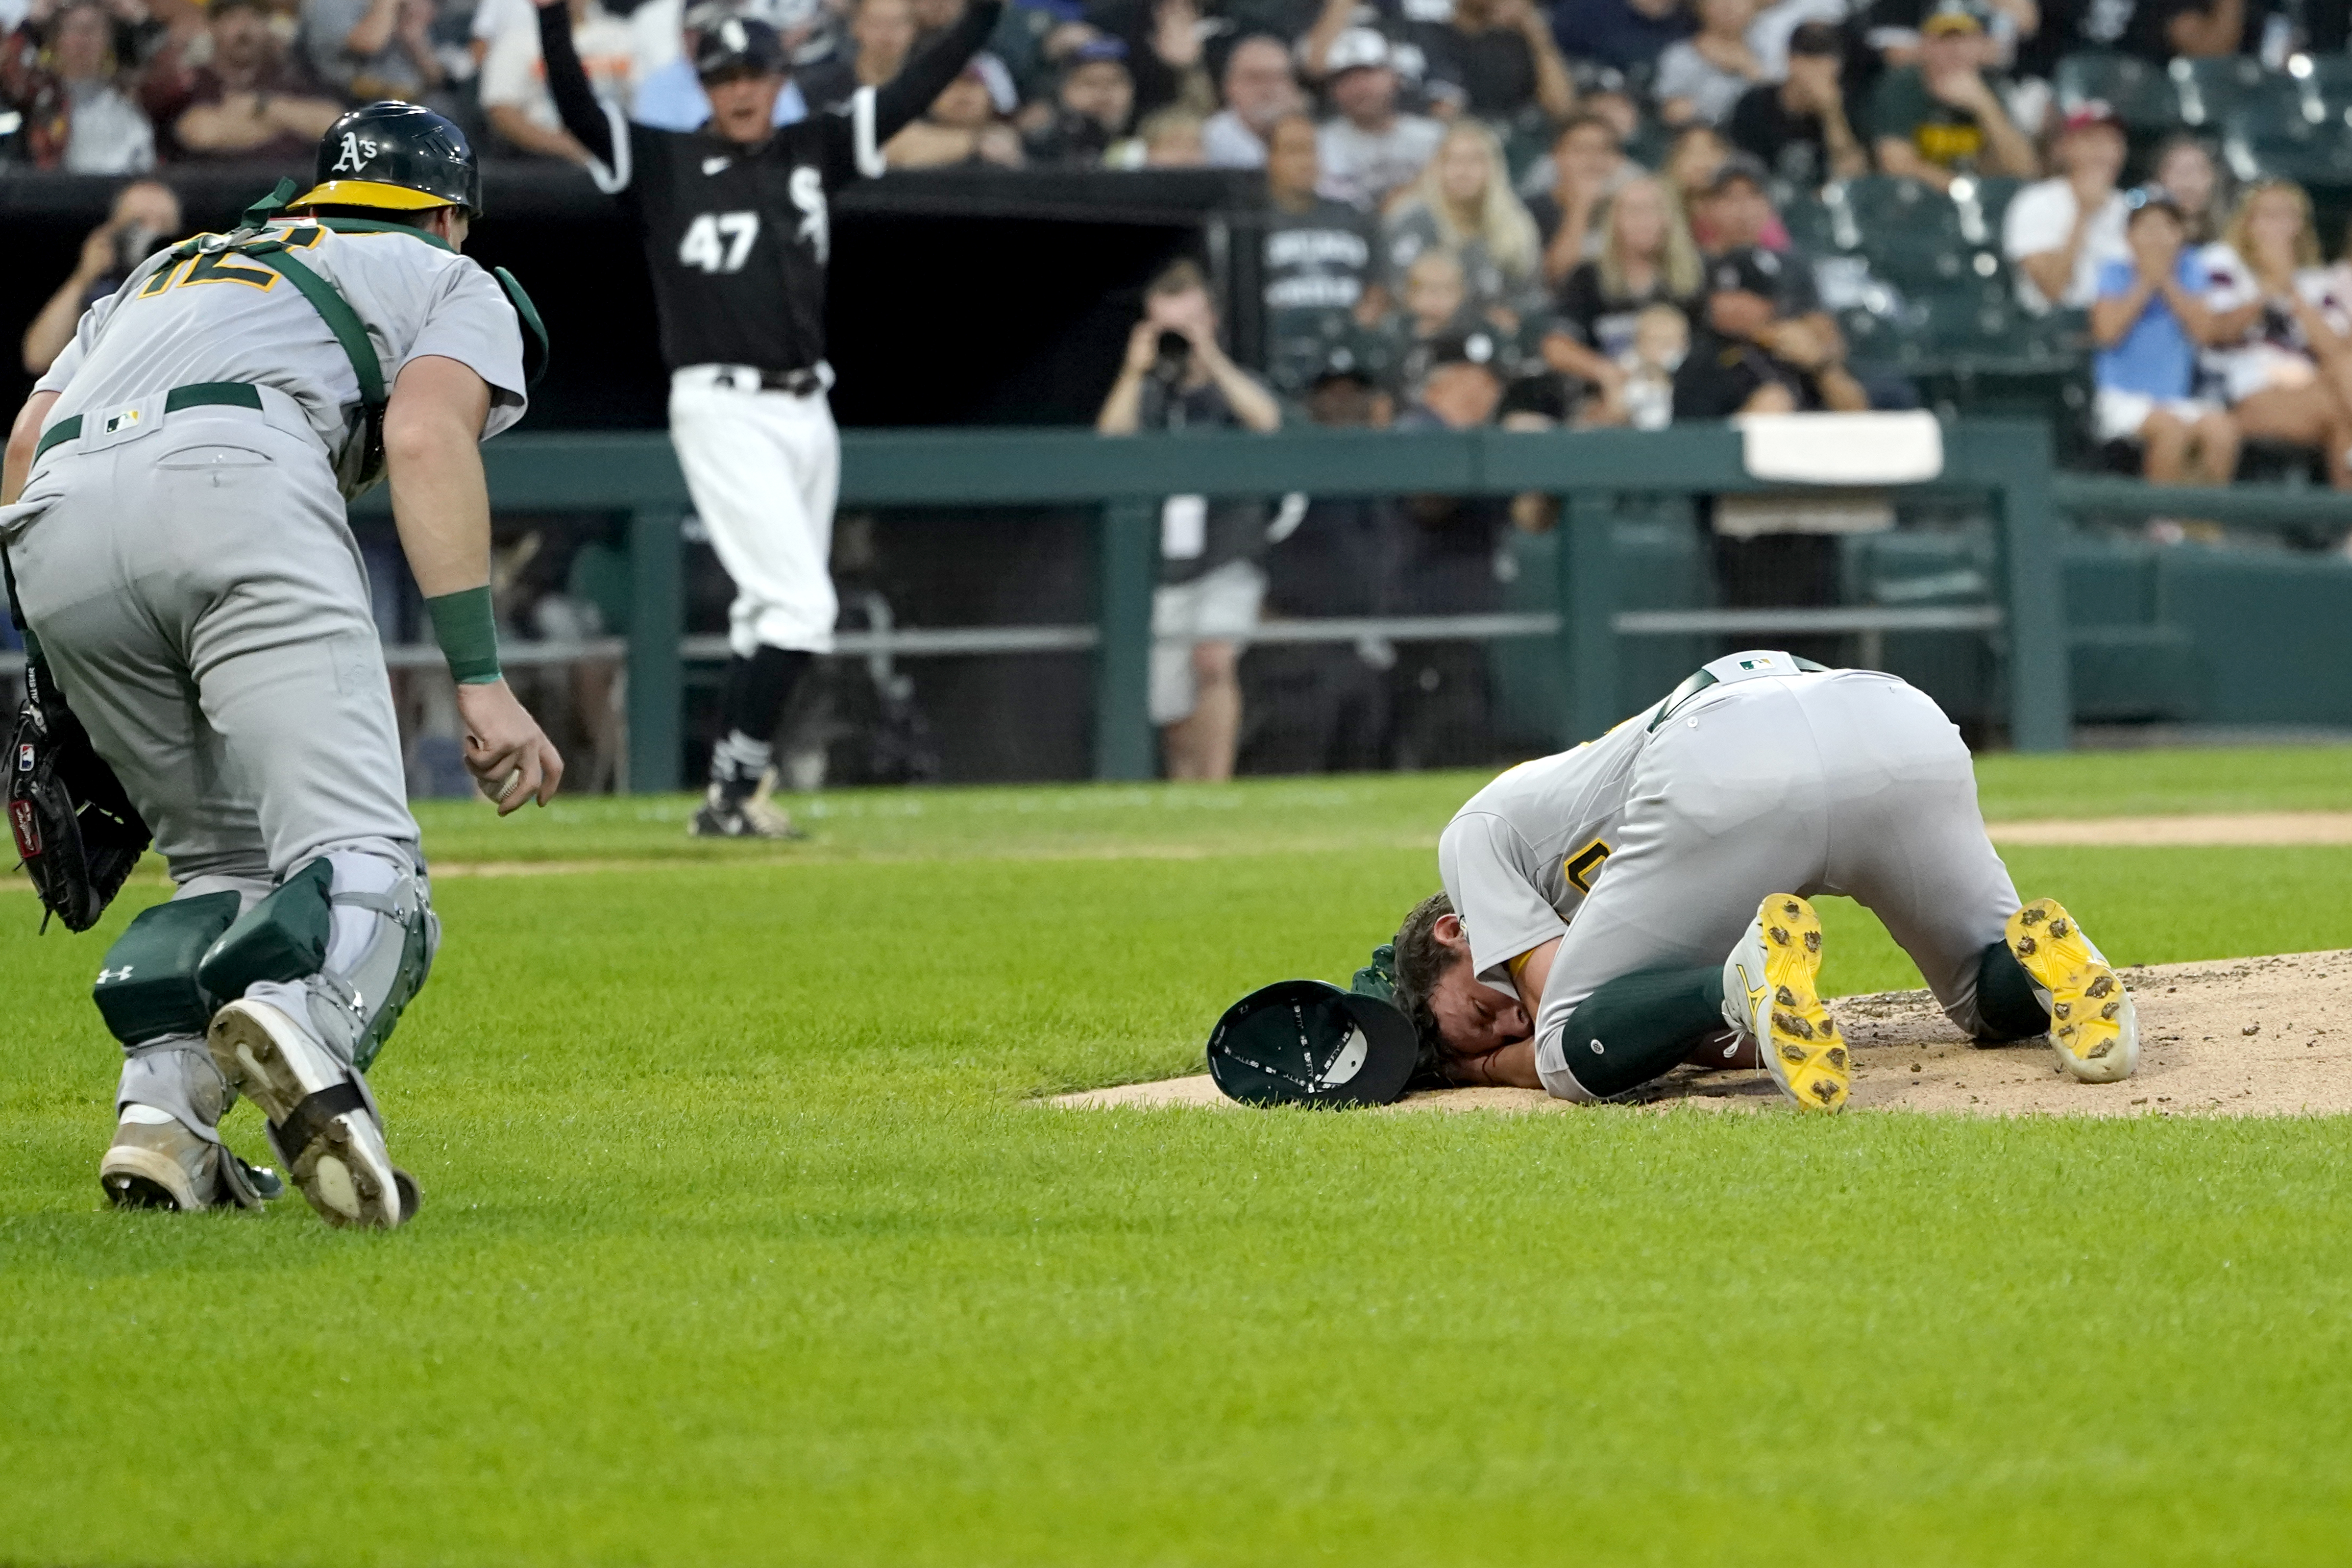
pixel 1650 847
pixel 198 594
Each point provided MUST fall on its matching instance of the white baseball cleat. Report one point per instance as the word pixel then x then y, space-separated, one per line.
pixel 1768 992
pixel 320 1119
pixel 2093 1027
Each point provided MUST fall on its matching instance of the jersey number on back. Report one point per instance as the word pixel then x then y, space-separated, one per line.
pixel 717 242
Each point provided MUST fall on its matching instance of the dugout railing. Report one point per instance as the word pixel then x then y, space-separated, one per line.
pixel 2005 463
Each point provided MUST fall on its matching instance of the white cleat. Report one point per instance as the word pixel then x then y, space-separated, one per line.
pixel 319 1116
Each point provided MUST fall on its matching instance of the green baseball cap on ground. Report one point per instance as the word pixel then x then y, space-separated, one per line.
pixel 1307 1042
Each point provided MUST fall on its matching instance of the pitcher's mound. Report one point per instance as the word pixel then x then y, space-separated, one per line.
pixel 2239 1036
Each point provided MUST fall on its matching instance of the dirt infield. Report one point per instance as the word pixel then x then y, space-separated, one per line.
pixel 2240 1037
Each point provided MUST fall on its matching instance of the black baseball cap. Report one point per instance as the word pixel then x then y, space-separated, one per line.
pixel 1750 269
pixel 739 44
pixel 1480 348
pixel 1739 166
pixel 1819 39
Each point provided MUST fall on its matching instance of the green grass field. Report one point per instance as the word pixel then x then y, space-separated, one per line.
pixel 742 1245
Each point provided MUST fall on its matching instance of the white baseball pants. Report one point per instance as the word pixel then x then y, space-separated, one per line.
pixel 764 469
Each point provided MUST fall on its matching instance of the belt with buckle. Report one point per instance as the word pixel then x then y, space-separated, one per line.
pixel 799 382
pixel 227 394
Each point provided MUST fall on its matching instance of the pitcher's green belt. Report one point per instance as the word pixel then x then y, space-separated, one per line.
pixel 234 393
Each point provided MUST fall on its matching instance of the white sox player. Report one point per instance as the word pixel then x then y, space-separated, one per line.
pixel 1608 911
pixel 738 233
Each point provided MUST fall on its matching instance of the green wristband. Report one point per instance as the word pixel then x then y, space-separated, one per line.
pixel 468 635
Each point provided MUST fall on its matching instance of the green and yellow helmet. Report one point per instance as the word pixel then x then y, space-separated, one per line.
pixel 400 156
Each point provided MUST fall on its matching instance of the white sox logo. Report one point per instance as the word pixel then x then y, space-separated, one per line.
pixel 355 154
pixel 816 228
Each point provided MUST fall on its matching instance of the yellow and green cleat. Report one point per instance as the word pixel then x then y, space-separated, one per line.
pixel 1769 991
pixel 2093 1024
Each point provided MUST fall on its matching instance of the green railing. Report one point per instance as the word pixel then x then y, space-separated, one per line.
pixel 2006 461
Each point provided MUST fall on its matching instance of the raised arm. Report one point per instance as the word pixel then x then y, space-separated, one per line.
pixel 567 84
pixel 900 100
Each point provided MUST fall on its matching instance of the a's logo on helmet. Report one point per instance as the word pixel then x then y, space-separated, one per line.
pixel 355 155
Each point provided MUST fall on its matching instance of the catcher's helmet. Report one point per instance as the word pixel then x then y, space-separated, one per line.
pixel 1302 1042
pixel 396 155
pixel 739 44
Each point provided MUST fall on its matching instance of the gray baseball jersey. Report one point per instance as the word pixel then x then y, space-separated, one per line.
pixel 196 587
pixel 1650 847
pixel 226 318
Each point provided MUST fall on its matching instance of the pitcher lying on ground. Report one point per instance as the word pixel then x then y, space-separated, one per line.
pixel 1609 910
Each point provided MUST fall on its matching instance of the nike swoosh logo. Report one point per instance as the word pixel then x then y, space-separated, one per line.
pixel 712 165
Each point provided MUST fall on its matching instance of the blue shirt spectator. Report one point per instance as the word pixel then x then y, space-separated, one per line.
pixel 2155 357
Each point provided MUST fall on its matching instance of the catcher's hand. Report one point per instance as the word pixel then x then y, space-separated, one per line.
pixel 76 829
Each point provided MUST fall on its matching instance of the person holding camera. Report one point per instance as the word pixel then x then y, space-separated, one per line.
pixel 1177 377
pixel 145 218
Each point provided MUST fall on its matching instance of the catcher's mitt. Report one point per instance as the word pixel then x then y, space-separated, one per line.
pixel 78 833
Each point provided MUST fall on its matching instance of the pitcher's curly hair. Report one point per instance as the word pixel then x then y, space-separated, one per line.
pixel 1421 961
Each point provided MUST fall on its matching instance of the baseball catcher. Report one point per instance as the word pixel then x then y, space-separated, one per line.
pixel 1615 910
pixel 174 529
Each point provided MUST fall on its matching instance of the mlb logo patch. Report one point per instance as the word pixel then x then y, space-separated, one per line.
pixel 122 421
pixel 25 758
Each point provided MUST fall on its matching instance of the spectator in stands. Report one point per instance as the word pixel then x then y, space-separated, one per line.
pixel 145 217
pixel 1446 566
pixel 1940 117
pixel 1164 49
pixel 1463 205
pixel 1499 56
pixel 62 79
pixel 1622 34
pixel 1701 77
pixel 1260 93
pixel 1761 342
pixel 1798 127
pixel 1776 26
pixel 368 49
pixel 1691 161
pixel 1369 148
pixel 1093 103
pixel 966 124
pixel 513 86
pixel 2061 231
pixel 1588 166
pixel 1325 267
pixel 1176 376
pixel 1435 306
pixel 1168 138
pixel 2148 321
pixel 2185 171
pixel 2270 342
pixel 1647 258
pixel 249 99
pixel 881 35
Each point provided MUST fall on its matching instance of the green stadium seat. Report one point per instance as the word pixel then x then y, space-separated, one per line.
pixel 2294 140
pixel 2208 91
pixel 1879 204
pixel 2138 93
pixel 1981 201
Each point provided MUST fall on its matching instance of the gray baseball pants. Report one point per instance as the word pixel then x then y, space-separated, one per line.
pixel 1851 783
pixel 202 604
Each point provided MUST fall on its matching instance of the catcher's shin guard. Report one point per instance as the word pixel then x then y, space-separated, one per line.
pixel 352 933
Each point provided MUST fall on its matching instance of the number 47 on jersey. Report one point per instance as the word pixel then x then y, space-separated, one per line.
pixel 717 242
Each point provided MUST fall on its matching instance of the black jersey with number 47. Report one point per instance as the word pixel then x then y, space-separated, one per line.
pixel 736 238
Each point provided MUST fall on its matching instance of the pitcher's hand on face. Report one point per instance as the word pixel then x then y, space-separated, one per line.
pixel 508 754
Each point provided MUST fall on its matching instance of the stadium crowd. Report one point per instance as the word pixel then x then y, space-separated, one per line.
pixel 1627 210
